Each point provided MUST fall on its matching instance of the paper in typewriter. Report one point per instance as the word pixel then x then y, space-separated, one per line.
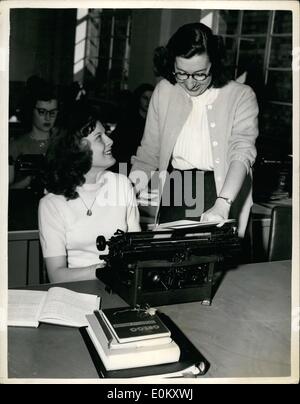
pixel 182 224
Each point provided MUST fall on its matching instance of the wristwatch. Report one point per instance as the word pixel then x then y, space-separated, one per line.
pixel 228 200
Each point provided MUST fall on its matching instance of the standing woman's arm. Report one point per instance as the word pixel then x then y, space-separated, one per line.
pixel 241 154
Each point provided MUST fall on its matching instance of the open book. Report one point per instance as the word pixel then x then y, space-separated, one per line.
pixel 27 308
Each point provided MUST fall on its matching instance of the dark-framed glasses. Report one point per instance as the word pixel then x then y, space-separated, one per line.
pixel 46 112
pixel 88 128
pixel 182 76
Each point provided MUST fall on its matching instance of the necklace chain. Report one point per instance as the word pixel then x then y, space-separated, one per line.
pixel 89 209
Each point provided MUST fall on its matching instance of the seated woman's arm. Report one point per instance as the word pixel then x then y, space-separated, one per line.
pixel 59 272
pixel 20 184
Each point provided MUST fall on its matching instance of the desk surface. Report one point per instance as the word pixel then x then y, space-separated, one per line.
pixel 244 333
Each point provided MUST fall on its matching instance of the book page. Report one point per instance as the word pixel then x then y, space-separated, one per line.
pixel 65 307
pixel 24 307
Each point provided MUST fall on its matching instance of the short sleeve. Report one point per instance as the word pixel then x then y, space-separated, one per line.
pixel 51 228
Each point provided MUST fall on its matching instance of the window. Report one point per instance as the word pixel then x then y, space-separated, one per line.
pixel 102 50
pixel 260 43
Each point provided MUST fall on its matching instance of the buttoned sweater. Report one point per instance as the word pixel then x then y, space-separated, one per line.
pixel 233 128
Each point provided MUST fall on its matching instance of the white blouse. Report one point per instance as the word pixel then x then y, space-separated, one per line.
pixel 65 228
pixel 193 148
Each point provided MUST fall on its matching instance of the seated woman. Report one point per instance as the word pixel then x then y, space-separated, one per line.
pixel 83 201
pixel 40 112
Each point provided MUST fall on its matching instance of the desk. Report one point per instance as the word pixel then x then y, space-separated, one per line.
pixel 244 333
pixel 261 222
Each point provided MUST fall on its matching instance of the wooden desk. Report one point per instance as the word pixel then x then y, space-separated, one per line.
pixel 244 333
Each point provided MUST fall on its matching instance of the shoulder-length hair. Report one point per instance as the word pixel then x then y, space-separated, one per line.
pixel 68 159
pixel 190 40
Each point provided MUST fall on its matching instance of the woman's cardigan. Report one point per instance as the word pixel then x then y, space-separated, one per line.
pixel 233 128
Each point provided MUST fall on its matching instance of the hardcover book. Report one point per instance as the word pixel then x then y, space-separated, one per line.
pixel 27 308
pixel 128 324
pixel 107 338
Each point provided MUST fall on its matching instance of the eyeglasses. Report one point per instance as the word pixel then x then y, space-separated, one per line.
pixel 88 128
pixel 44 112
pixel 182 76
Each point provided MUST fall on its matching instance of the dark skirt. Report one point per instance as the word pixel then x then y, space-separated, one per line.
pixel 186 195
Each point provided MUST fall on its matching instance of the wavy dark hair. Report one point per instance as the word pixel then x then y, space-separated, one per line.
pixel 68 159
pixel 190 40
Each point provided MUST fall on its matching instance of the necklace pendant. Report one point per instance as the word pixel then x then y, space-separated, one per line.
pixel 89 212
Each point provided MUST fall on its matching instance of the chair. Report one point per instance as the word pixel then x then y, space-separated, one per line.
pixel 280 238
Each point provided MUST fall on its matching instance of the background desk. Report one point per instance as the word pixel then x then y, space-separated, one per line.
pixel 244 333
pixel 261 222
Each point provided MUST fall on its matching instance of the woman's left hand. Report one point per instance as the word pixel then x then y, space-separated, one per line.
pixel 218 213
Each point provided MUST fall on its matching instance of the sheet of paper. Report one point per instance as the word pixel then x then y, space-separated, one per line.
pixel 181 224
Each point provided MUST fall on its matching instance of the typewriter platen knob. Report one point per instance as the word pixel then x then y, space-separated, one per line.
pixel 101 243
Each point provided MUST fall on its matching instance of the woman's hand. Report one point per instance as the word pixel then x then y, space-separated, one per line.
pixel 218 213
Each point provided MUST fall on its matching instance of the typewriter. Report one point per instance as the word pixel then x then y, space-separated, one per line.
pixel 167 266
pixel 30 164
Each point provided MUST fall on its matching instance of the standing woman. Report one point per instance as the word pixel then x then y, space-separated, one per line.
pixel 83 201
pixel 40 113
pixel 201 130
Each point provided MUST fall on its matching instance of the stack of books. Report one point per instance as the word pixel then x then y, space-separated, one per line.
pixel 135 343
pixel 131 338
